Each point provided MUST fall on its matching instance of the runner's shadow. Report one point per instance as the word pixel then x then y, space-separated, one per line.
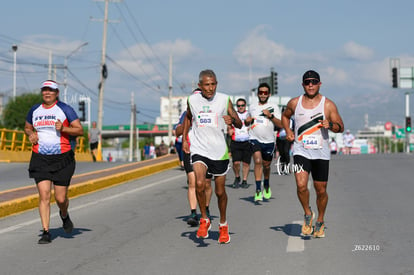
pixel 213 236
pixel 192 236
pixel 292 230
pixel 251 200
pixel 59 232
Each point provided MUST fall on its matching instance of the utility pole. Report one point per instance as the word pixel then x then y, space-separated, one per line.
pixel 132 136
pixel 49 75
pixel 103 69
pixel 14 48
pixel 169 102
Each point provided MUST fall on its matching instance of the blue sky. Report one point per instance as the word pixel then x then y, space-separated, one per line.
pixel 349 42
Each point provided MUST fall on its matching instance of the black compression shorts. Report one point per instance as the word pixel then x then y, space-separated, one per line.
pixel 319 168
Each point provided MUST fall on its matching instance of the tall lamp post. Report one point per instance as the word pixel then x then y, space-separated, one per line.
pixel 14 48
pixel 66 69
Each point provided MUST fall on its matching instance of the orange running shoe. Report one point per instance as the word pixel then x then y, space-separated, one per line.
pixel 224 234
pixel 205 226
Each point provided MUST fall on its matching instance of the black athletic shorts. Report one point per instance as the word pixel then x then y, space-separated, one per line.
pixel 188 167
pixel 319 168
pixel 266 149
pixel 214 167
pixel 241 151
pixel 57 168
pixel 94 145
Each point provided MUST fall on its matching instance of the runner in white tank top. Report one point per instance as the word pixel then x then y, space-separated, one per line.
pixel 210 112
pixel 314 115
pixel 311 139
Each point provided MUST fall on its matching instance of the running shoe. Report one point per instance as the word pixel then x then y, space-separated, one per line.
pixel 258 196
pixel 205 226
pixel 224 236
pixel 307 224
pixel 319 231
pixel 267 193
pixel 67 223
pixel 236 183
pixel 193 219
pixel 244 184
pixel 46 238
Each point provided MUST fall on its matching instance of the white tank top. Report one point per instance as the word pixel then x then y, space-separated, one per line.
pixel 262 128
pixel 243 133
pixel 208 128
pixel 311 140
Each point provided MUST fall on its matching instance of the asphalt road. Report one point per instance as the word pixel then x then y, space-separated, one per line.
pixel 139 228
pixel 14 175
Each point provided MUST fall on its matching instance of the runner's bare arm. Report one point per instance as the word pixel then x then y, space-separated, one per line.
pixel 289 111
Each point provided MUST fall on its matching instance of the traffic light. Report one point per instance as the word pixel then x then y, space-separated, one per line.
pixel 408 124
pixel 82 110
pixel 273 79
pixel 394 77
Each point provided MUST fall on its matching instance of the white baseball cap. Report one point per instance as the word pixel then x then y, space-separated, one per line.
pixel 50 84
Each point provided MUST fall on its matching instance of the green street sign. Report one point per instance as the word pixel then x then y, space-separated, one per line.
pixel 400 133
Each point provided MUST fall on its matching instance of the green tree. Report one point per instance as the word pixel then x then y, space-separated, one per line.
pixel 14 115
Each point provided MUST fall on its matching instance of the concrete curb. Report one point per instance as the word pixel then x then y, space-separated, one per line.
pixel 32 201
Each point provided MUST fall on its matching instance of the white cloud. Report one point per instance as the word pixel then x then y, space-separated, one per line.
pixel 258 49
pixel 358 52
pixel 144 59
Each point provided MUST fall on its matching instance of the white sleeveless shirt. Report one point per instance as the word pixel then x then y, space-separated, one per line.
pixel 241 134
pixel 208 129
pixel 311 140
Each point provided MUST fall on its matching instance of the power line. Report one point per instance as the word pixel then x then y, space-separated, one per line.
pixel 131 75
pixel 149 45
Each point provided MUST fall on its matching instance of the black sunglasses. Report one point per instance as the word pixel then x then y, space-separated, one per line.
pixel 241 105
pixel 309 81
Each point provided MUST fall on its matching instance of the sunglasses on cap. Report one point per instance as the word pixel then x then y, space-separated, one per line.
pixel 241 105
pixel 309 81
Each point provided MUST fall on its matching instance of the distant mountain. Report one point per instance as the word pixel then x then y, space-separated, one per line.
pixel 380 108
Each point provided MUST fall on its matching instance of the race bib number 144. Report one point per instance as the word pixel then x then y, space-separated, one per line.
pixel 312 142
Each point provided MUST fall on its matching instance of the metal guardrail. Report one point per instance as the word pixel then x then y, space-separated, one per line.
pixel 17 141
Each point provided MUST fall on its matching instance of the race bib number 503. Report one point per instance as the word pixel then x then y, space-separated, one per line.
pixel 207 120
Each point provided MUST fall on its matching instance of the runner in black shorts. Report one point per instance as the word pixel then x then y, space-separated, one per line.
pixel 314 115
pixel 191 193
pixel 241 153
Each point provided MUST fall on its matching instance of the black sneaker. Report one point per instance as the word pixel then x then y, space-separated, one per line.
pixel 46 238
pixel 236 183
pixel 67 223
pixel 193 219
pixel 244 184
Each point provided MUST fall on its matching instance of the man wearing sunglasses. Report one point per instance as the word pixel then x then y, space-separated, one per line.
pixel 264 116
pixel 314 115
pixel 241 153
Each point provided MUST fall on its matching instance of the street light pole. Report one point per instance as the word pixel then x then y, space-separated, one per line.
pixel 66 69
pixel 14 48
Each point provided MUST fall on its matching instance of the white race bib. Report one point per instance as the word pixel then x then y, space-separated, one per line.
pixel 261 120
pixel 312 141
pixel 207 120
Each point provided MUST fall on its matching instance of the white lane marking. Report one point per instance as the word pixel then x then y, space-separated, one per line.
pixel 20 225
pixel 295 242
